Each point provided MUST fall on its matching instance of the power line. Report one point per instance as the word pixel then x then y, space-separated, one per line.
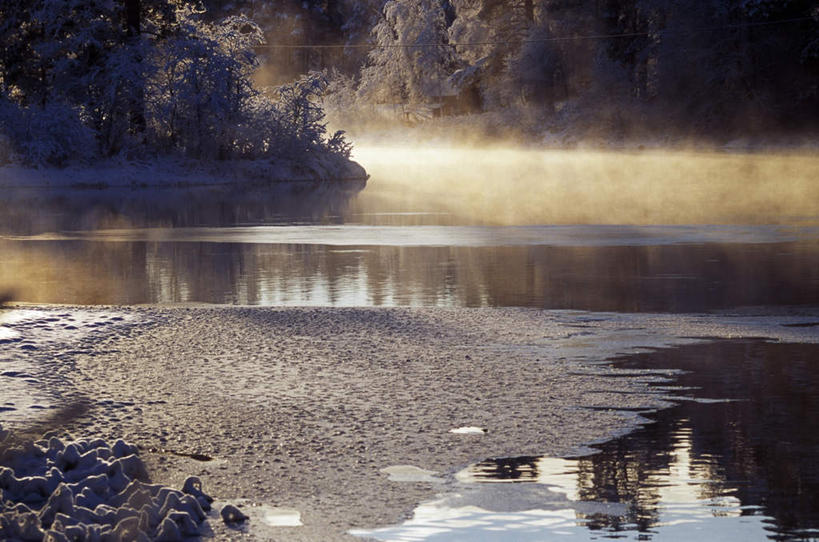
pixel 542 40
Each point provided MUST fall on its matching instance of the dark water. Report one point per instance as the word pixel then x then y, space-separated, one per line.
pixel 320 245
pixel 735 459
pixel 760 444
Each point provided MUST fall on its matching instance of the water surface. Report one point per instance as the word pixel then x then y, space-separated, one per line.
pixel 637 232
pixel 209 247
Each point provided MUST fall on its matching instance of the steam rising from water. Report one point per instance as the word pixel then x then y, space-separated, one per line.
pixel 516 186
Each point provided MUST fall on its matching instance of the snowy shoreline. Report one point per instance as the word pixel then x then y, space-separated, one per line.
pixel 304 408
pixel 174 173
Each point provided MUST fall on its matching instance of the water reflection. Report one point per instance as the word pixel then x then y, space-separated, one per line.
pixel 736 469
pixel 328 245
pixel 36 211
pixel 672 278
pixel 759 448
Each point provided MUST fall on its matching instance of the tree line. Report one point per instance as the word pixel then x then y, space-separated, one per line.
pixel 685 66
pixel 97 78
pixel 109 77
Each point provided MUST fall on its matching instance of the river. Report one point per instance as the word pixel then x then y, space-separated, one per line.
pixel 652 232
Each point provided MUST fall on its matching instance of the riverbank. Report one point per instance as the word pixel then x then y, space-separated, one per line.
pixel 176 172
pixel 303 408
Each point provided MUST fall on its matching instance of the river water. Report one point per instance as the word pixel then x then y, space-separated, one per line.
pixel 451 227
pixel 589 231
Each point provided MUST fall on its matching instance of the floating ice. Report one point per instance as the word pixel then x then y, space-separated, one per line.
pixel 89 490
pixel 262 520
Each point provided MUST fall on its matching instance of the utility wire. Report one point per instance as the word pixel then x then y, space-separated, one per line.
pixel 542 40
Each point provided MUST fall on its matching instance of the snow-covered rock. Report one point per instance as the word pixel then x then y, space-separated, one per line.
pixel 58 491
pixel 231 514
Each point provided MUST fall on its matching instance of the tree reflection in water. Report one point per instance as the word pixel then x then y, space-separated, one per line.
pixel 33 211
pixel 759 445
pixel 745 442
pixel 87 269
pixel 623 279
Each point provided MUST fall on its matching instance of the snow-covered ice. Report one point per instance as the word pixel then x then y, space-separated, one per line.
pixel 468 430
pixel 33 341
pixel 304 408
pixel 410 473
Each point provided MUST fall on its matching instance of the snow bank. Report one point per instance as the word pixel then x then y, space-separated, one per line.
pixel 166 172
pixel 58 491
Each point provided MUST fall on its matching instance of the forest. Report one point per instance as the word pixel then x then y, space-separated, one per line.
pixel 83 79
pixel 250 79
pixel 619 69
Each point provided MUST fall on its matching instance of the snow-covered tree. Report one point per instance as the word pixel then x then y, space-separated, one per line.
pixel 201 83
pixel 412 58
pixel 145 76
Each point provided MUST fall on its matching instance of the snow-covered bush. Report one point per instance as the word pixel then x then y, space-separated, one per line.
pixel 51 134
pixel 201 99
pixel 300 113
pixel 90 490
pixel 289 123
pixel 198 97
pixel 338 144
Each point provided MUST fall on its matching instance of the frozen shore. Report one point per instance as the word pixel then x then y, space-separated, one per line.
pixel 174 172
pixel 302 409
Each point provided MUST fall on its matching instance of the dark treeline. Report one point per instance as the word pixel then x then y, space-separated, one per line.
pixel 98 78
pixel 683 67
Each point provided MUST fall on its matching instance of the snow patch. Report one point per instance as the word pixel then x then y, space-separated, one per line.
pixel 469 430
pixel 410 473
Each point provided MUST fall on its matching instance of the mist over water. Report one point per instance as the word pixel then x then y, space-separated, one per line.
pixel 513 186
